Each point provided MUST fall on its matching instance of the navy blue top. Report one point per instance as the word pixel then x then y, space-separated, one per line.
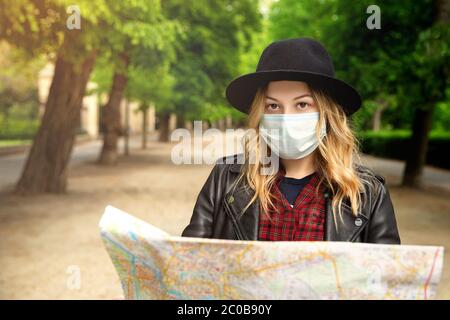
pixel 291 187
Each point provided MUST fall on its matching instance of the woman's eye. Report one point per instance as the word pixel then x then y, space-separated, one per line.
pixel 303 105
pixel 272 106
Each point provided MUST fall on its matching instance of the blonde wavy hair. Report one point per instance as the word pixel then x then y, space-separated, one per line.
pixel 335 158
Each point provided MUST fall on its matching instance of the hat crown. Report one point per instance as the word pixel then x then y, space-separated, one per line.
pixel 295 59
pixel 300 54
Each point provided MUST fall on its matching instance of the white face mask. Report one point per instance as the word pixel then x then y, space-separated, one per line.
pixel 291 136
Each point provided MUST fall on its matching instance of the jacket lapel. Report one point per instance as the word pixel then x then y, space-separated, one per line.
pixel 246 225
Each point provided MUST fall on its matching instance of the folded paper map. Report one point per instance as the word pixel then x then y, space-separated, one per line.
pixel 154 265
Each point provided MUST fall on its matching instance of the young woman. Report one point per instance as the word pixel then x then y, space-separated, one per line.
pixel 319 191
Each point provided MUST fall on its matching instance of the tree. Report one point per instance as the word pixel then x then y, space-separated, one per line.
pixel 401 68
pixel 135 28
pixel 151 84
pixel 431 76
pixel 45 169
pixel 111 112
pixel 207 56
pixel 39 28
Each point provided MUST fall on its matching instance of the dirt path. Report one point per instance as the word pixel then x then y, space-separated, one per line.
pixel 43 236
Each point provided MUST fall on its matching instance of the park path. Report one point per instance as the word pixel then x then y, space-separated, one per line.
pixel 433 178
pixel 87 151
pixel 11 165
pixel 45 237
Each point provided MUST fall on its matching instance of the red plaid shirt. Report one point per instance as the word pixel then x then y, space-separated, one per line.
pixel 302 222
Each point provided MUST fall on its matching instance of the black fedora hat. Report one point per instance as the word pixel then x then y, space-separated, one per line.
pixel 297 59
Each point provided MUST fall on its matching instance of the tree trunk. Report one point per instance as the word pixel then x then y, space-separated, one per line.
pixel 188 125
pixel 412 175
pixel 127 129
pixel 376 119
pixel 418 147
pixel 221 124
pixel 180 121
pixel 228 122
pixel 164 127
pixel 144 126
pixel 111 114
pixel 46 166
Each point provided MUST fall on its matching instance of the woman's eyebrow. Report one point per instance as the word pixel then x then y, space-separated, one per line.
pixel 301 96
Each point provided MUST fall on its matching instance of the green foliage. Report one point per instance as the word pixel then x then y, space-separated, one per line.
pixel 405 63
pixel 151 85
pixel 17 127
pixel 18 94
pixel 217 32
pixel 34 26
pixel 14 142
pixel 139 30
pixel 441 116
pixel 183 53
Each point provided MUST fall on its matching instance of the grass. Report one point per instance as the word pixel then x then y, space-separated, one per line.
pixel 13 143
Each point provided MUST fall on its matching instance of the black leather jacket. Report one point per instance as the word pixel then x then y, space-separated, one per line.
pixel 218 211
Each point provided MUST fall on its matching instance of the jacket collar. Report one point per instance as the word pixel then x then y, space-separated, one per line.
pixel 246 224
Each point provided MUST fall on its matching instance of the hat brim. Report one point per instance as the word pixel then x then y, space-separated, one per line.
pixel 241 91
